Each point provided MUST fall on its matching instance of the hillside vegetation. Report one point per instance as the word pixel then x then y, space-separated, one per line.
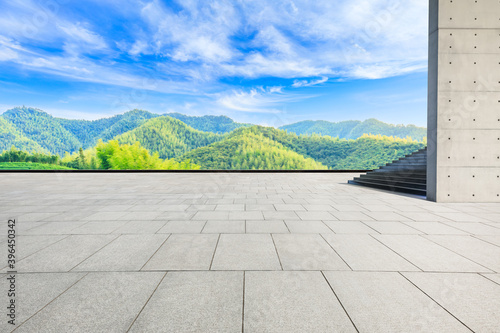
pixel 42 128
pixel 367 152
pixel 30 166
pixel 168 137
pixel 115 156
pixel 89 131
pixel 11 137
pixel 251 151
pixel 214 124
pixel 220 144
pixel 353 129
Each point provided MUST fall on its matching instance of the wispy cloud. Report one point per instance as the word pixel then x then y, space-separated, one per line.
pixel 220 51
pixel 258 100
pixel 212 40
pixel 308 83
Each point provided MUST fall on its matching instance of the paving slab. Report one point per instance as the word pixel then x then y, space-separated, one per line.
pixel 475 228
pixel 289 207
pixel 462 217
pixel 349 208
pixel 98 228
pixel 292 302
pixel 266 227
pixel 62 256
pixel 172 216
pixel 387 216
pixel 246 252
pixel 363 252
pixel 387 302
pixel 471 298
pixel 184 252
pixel 422 216
pixel 256 207
pixel 350 227
pixel 316 207
pixel 27 245
pixel 194 302
pixel 493 277
pixel 36 291
pixel 394 228
pixel 230 207
pixel 224 227
pixel 108 216
pixel 477 250
pixel 427 255
pixel 125 253
pixel 312 216
pixel 493 239
pixel 22 228
pixel 307 227
pixel 182 227
pixel 100 302
pixel 54 228
pixel 36 217
pixel 251 215
pixel 307 252
pixel 140 227
pixel 143 216
pixel 283 215
pixel 351 216
pixel 435 228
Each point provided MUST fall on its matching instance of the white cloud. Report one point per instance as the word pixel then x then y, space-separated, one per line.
pixel 7 53
pixel 81 40
pixel 200 32
pixel 258 100
pixel 308 83
pixel 201 42
pixel 292 39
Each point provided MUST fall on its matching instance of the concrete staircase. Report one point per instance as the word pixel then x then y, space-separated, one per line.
pixel 408 175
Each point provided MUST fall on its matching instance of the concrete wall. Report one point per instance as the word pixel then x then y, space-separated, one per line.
pixel 464 101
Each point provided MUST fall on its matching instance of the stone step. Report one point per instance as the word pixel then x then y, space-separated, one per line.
pixel 408 175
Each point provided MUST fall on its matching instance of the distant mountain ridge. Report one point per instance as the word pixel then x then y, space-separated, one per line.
pixel 211 140
pixel 168 137
pixel 214 124
pixel 353 129
pixel 11 137
pixel 33 129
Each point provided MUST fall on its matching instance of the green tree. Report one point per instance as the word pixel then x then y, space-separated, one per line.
pixel 114 156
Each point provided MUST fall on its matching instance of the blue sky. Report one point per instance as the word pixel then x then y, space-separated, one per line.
pixel 260 61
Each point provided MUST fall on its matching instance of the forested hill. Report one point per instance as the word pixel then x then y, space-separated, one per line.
pixel 215 124
pixel 11 137
pixel 253 148
pixel 250 151
pixel 31 129
pixel 89 131
pixel 42 128
pixel 168 136
pixel 354 129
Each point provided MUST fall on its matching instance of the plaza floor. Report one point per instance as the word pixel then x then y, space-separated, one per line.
pixel 244 252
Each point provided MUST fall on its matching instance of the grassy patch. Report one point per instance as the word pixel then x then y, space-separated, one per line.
pixel 31 166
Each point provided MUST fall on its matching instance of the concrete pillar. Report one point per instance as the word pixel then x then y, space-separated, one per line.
pixel 464 101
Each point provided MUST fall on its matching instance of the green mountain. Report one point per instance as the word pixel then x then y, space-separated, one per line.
pixel 240 147
pixel 89 131
pixel 42 128
pixel 353 129
pixel 10 136
pixel 250 150
pixel 168 136
pixel 214 124
pixel 367 152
